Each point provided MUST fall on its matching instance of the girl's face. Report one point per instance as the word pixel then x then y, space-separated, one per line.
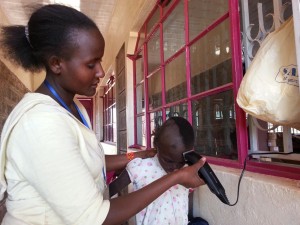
pixel 81 72
pixel 170 149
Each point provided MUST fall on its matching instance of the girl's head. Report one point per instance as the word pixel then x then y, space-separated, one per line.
pixel 173 138
pixel 54 39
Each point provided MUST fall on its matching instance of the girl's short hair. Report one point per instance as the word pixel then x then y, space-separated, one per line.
pixel 185 129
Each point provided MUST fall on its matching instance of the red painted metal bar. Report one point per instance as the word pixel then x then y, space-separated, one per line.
pixel 291 172
pixel 163 74
pixel 166 15
pixel 144 27
pixel 237 70
pixel 146 100
pixel 188 61
pixel 210 28
pixel 181 50
pixel 213 91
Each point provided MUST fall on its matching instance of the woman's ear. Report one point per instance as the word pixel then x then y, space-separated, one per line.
pixel 55 64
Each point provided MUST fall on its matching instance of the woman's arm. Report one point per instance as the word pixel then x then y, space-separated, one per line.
pixel 119 162
pixel 124 207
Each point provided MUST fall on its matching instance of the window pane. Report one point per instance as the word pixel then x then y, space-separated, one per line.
pixel 167 6
pixel 114 125
pixel 154 52
pixel 211 60
pixel 142 36
pixel 177 110
pixel 175 79
pixel 109 116
pixel 174 31
pixel 155 122
pixel 154 90
pixel 141 130
pixel 214 124
pixel 109 133
pixel 140 106
pixel 139 67
pixel 203 13
pixel 153 21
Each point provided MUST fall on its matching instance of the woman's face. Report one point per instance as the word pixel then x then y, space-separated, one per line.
pixel 82 70
pixel 171 148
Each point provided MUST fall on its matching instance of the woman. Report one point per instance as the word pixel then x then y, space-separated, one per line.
pixel 52 166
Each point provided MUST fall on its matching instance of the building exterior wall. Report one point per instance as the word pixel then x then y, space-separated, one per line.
pixel 11 92
pixel 263 200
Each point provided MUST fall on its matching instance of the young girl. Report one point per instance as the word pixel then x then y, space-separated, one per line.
pixel 171 140
pixel 52 166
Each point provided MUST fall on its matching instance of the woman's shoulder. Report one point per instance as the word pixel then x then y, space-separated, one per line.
pixel 35 107
pixel 31 100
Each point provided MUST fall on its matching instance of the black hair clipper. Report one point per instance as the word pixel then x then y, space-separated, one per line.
pixel 208 175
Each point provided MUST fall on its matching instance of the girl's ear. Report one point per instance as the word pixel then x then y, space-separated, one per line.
pixel 55 64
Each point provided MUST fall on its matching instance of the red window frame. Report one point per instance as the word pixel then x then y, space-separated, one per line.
pixel 237 71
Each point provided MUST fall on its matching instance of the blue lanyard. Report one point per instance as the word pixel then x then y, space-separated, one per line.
pixel 61 101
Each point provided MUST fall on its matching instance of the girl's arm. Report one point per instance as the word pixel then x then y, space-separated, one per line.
pixel 124 207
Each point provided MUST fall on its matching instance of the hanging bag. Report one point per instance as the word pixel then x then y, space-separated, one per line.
pixel 270 90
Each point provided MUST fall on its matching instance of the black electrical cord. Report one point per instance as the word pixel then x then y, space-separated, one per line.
pixel 244 167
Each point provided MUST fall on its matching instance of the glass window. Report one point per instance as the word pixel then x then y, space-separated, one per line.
pixel 214 68
pixel 139 67
pixel 211 60
pixel 153 20
pixel 166 6
pixel 177 110
pixel 141 38
pixel 140 105
pixel 109 116
pixel 154 90
pixel 264 136
pixel 204 13
pixel 214 125
pixel 154 52
pixel 175 79
pixel 156 121
pixel 141 130
pixel 173 31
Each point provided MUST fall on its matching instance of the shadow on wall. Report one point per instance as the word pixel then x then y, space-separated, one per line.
pixel 11 92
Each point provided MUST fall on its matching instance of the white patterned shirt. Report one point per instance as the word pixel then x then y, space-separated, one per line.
pixel 171 207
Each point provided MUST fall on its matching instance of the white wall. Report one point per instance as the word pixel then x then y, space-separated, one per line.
pixel 264 200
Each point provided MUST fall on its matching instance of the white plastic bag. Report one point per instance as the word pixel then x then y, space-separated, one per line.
pixel 270 90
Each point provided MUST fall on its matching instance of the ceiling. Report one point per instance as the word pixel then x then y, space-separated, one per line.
pixel 116 19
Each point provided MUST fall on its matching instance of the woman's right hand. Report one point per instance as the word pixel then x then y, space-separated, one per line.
pixel 188 176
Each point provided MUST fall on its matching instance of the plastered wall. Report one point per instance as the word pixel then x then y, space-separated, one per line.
pixel 11 91
pixel 264 200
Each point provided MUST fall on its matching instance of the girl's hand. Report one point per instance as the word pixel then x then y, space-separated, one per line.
pixel 188 176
